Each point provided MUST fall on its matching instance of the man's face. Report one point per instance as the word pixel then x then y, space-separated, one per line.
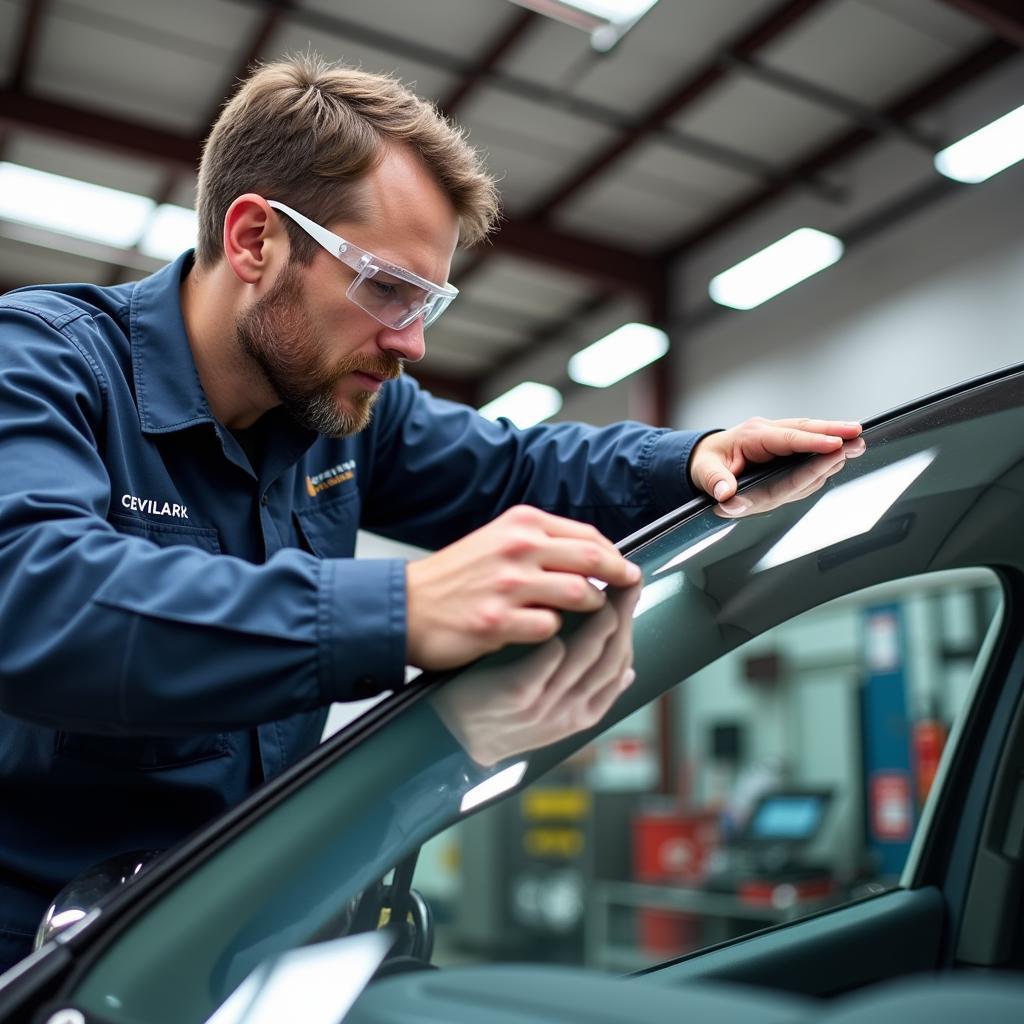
pixel 324 357
pixel 320 393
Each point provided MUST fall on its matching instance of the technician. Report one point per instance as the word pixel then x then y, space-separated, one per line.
pixel 185 460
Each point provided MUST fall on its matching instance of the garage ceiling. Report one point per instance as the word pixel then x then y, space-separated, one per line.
pixel 714 127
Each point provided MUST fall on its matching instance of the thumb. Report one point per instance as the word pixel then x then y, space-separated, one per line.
pixel 721 484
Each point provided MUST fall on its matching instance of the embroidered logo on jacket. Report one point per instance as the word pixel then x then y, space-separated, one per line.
pixel 154 506
pixel 331 477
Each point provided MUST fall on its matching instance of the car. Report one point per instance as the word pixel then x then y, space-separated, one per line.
pixel 768 821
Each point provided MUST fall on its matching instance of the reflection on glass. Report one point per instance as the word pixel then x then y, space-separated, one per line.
pixel 315 984
pixel 695 549
pixel 657 592
pixel 849 510
pixel 506 779
pixel 506 706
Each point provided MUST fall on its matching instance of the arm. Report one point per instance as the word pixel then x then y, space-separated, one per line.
pixel 103 632
pixel 441 470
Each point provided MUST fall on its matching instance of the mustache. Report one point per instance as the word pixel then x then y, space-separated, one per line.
pixel 384 366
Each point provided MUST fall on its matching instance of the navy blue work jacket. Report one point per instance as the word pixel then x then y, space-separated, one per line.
pixel 174 622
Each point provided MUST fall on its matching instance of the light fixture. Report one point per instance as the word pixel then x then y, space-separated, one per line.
pixel 852 509
pixel 502 782
pixel 171 230
pixel 617 355
pixel 781 265
pixel 985 152
pixel 525 404
pixel 72 207
pixel 607 21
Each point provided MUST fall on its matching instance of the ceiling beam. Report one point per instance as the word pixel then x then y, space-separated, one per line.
pixel 27 45
pixel 1004 17
pixel 529 90
pixel 955 76
pixel 612 267
pixel 682 95
pixel 24 54
pixel 32 113
pixel 830 99
pixel 471 79
pixel 266 27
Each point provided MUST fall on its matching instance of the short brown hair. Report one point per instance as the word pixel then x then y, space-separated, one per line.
pixel 300 127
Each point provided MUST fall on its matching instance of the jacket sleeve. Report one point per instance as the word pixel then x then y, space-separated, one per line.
pixel 103 632
pixel 440 469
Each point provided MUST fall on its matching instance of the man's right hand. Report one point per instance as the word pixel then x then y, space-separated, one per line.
pixel 504 584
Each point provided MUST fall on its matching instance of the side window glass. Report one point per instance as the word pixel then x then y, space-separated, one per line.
pixel 785 778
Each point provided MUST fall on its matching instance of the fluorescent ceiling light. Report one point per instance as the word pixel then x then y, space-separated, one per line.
pixel 618 355
pixel 985 152
pixel 848 511
pixel 72 207
pixel 171 230
pixel 783 264
pixel 526 404
pixel 493 787
pixel 607 21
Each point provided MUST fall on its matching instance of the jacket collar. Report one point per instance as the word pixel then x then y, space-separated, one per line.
pixel 168 391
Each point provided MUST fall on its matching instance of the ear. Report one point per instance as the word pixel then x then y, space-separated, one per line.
pixel 255 241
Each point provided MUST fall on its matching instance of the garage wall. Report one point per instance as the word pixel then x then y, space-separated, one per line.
pixel 937 299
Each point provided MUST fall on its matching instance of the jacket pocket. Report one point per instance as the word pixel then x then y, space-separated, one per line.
pixel 167 534
pixel 150 753
pixel 142 753
pixel 329 529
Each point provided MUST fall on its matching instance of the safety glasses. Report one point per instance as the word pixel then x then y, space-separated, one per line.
pixel 391 294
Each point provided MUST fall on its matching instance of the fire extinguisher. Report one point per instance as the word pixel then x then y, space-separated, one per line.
pixel 929 739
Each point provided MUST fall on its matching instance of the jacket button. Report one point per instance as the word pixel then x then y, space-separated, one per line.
pixel 264 501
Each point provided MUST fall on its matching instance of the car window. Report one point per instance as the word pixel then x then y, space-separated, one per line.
pixel 798 766
pixel 938 490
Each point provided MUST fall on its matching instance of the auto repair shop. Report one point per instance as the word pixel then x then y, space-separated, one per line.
pixel 712 210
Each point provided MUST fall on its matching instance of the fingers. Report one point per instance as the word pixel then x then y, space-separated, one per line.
pixel 718 457
pixel 789 441
pixel 801 482
pixel 562 591
pixel 721 485
pixel 846 429
pixel 587 559
pixel 582 669
pixel 554 543
pixel 506 583
pixel 527 626
pixel 599 656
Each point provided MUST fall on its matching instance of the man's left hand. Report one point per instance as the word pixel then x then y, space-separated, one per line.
pixel 719 458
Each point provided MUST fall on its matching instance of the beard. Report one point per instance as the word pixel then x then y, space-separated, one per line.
pixel 278 337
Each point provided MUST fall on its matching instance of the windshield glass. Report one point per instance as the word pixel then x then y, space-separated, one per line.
pixel 937 488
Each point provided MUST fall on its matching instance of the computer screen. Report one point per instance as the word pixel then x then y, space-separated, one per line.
pixel 786 817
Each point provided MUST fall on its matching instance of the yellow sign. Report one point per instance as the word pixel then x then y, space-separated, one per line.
pixel 562 804
pixel 553 842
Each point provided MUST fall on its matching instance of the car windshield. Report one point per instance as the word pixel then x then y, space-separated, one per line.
pixel 939 487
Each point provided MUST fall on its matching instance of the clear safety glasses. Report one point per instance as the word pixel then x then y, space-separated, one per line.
pixel 391 294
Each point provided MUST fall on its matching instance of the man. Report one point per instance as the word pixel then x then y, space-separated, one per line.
pixel 184 463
